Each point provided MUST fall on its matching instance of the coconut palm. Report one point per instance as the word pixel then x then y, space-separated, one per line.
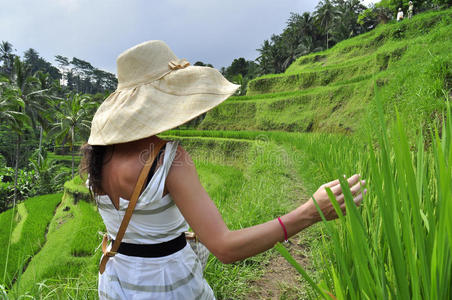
pixel 37 93
pixel 325 15
pixel 307 46
pixel 34 94
pixel 291 37
pixel 41 104
pixel 346 25
pixel 12 108
pixel 47 171
pixel 72 119
pixel 9 104
pixel 307 24
pixel 21 86
pixel 266 58
pixel 7 57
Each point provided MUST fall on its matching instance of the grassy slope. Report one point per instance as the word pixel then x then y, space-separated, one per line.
pixel 31 234
pixel 69 251
pixel 332 91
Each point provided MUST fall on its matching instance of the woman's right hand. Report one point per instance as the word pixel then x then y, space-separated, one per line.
pixel 324 202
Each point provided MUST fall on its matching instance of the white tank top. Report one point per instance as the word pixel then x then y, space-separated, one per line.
pixel 156 219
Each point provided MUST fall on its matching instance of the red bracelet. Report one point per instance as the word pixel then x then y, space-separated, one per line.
pixel 284 228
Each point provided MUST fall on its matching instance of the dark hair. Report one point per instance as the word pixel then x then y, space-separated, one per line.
pixel 93 158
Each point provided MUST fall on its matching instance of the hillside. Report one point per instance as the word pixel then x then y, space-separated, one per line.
pixel 333 90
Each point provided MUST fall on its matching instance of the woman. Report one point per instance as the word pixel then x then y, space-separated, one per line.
pixel 400 15
pixel 156 92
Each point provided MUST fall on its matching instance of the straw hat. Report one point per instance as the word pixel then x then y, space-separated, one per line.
pixel 156 92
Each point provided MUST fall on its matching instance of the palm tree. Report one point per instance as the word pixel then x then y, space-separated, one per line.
pixel 41 104
pixel 325 15
pixel 10 102
pixel 33 93
pixel 307 46
pixel 307 24
pixel 72 118
pixel 37 93
pixel 22 88
pixel 347 24
pixel 265 58
pixel 7 56
pixel 11 112
pixel 292 36
pixel 47 172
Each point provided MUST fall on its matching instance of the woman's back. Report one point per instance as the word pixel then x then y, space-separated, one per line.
pixel 155 219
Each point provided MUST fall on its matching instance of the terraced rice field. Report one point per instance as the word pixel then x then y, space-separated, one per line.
pixel 28 225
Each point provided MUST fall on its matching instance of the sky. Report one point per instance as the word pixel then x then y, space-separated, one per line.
pixel 97 31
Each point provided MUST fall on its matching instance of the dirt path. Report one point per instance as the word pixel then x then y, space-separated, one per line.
pixel 280 279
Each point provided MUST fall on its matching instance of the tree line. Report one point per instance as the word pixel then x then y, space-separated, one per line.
pixel 41 109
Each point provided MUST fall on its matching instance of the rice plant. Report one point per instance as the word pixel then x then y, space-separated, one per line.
pixel 398 244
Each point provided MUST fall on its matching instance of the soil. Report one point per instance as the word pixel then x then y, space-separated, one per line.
pixel 281 280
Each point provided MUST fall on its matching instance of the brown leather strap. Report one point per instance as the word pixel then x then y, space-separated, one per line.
pixel 128 214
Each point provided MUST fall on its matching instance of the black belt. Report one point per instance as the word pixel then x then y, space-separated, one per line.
pixel 153 250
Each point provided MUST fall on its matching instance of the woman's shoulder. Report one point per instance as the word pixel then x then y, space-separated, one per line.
pixel 174 146
pixel 182 163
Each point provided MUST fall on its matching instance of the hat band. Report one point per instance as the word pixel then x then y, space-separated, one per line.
pixel 143 80
pixel 173 65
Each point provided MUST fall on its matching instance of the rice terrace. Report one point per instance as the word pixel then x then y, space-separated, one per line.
pixel 320 102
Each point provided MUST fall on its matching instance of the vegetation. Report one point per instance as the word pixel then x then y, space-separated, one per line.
pixel 73 116
pixel 40 115
pixel 374 104
pixel 23 233
pixel 398 244
pixel 332 91
pixel 234 182
pixel 72 240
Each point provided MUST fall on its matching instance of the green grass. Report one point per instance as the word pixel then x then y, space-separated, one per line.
pixel 21 217
pixel 68 253
pixel 267 188
pixel 65 160
pixel 333 109
pixel 29 237
pixel 397 245
pixel 215 150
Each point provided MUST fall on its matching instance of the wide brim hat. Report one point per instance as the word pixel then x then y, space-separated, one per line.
pixel 156 92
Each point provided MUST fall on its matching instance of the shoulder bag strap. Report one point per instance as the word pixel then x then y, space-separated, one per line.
pixel 130 208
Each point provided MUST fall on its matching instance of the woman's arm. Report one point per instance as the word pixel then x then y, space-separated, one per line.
pixel 228 246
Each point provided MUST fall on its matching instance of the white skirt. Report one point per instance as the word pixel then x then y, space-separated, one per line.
pixel 176 276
